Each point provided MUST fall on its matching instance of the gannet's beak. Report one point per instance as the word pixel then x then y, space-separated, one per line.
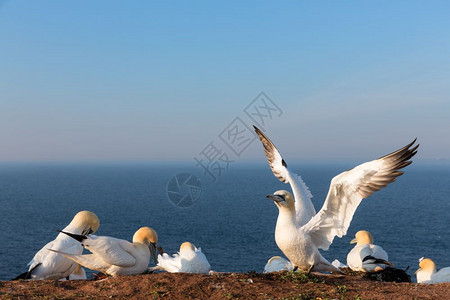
pixel 152 248
pixel 276 198
pixel 417 271
pixel 87 231
pixel 78 237
pixel 353 241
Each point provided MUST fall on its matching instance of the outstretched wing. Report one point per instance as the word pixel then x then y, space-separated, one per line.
pixel 303 205
pixel 276 162
pixel 349 188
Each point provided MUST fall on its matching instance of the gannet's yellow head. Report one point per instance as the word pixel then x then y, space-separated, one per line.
pixel 149 237
pixel 283 199
pixel 87 221
pixel 145 235
pixel 187 246
pixel 362 237
pixel 426 264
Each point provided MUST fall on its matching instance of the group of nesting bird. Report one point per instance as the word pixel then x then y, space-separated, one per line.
pixel 62 258
pixel 300 232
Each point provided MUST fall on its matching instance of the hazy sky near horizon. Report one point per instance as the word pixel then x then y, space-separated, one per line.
pixel 159 80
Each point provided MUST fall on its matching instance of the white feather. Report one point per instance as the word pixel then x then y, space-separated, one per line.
pixel 336 263
pixel 347 191
pixel 185 261
pixel 276 264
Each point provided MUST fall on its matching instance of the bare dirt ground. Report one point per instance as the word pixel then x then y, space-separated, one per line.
pixel 283 285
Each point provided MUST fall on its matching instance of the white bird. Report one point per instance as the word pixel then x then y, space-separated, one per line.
pixel 297 235
pixel 427 272
pixel 115 256
pixel 365 256
pixel 278 263
pixel 51 265
pixel 188 260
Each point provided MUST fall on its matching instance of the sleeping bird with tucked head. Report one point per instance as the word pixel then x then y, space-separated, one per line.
pixel 189 259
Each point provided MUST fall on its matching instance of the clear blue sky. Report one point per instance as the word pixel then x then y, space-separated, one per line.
pixel 146 80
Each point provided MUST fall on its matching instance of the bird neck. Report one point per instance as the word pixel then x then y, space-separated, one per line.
pixel 363 243
pixel 141 246
pixel 286 217
pixel 424 275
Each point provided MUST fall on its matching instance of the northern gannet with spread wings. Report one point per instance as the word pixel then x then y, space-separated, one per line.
pixel 50 265
pixel 114 256
pixel 365 256
pixel 188 260
pixel 299 232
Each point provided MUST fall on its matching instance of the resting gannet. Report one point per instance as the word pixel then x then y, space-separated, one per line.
pixel 115 256
pixel 365 256
pixel 51 265
pixel 427 272
pixel 188 260
pixel 298 235
pixel 276 264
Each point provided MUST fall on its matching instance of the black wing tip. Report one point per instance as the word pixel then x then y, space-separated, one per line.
pixel 403 153
pixel 377 260
pixel 25 275
pixel 410 144
pixel 261 135
pixel 409 152
pixel 267 143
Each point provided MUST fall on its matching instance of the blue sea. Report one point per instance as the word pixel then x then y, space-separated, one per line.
pixel 231 220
